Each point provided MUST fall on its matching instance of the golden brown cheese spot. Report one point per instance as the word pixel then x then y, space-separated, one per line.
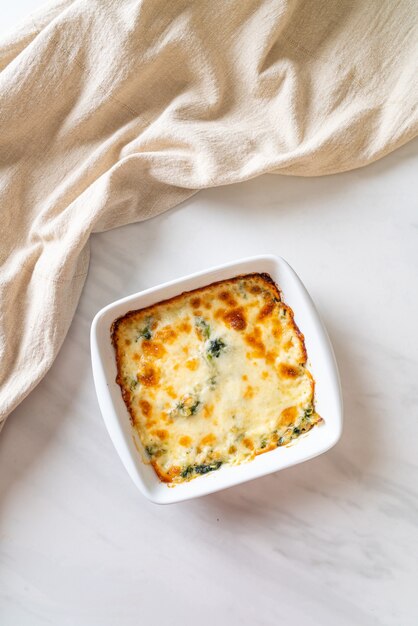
pixel 288 344
pixel 264 375
pixel 288 416
pixel 153 349
pixel 208 440
pixel 192 364
pixel 236 319
pixel 248 443
pixel 232 449
pixel 208 410
pixel 127 342
pixel 185 441
pixel 277 330
pixel 136 357
pixel 244 377
pixel 186 350
pixel 166 335
pixel 255 289
pixel 270 357
pixel 219 313
pixel 148 376
pixel 170 391
pixel 195 302
pixel 160 433
pixel 249 392
pixel 207 305
pixel 288 371
pixel 254 340
pixel 266 310
pixel 145 407
pixel 185 327
pixel 228 298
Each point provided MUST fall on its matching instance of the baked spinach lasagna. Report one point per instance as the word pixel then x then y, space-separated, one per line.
pixel 214 376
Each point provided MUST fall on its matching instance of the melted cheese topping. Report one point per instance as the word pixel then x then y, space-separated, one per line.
pixel 214 376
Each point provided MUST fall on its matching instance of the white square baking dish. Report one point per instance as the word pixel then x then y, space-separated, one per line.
pixel 321 362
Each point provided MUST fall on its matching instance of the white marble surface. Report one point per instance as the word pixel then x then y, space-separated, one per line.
pixel 327 543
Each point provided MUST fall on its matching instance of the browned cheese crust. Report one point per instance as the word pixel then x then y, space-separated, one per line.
pixel 214 376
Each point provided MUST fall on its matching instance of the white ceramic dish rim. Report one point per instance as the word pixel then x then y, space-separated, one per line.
pixel 321 363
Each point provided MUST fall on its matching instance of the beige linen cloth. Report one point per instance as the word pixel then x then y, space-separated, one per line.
pixel 114 111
